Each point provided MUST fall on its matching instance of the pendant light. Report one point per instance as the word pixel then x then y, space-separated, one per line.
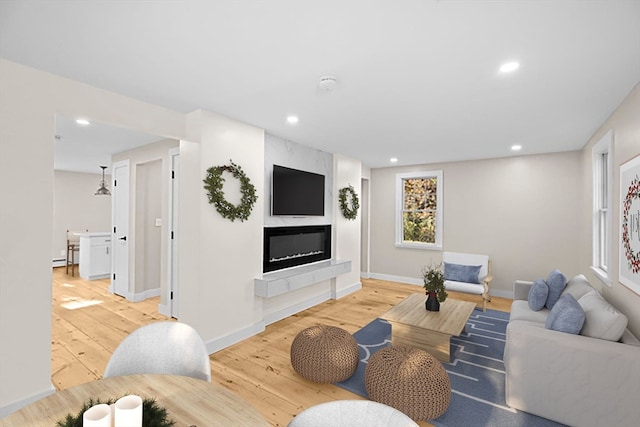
pixel 103 190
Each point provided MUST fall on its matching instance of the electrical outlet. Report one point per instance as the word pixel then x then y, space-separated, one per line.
pixel 158 222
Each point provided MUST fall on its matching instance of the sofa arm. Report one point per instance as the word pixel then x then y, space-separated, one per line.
pixel 521 289
pixel 571 379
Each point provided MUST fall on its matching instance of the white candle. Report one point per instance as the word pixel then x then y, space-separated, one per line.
pixel 128 411
pixel 97 416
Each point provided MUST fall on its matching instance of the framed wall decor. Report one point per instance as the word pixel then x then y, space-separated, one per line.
pixel 629 272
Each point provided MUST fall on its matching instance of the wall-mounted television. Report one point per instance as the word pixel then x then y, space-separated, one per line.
pixel 296 193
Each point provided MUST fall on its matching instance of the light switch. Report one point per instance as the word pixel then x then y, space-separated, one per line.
pixel 158 222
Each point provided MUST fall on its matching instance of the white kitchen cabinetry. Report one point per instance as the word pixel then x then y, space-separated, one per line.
pixel 95 255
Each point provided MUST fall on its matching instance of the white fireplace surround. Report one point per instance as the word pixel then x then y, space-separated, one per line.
pixel 282 281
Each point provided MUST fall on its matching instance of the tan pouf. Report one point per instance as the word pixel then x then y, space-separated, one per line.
pixel 324 354
pixel 410 380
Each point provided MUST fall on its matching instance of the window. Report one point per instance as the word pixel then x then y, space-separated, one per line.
pixel 419 210
pixel 602 193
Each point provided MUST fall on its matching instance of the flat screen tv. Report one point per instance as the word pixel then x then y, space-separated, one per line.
pixel 295 192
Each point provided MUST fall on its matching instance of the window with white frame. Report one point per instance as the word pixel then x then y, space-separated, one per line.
pixel 419 210
pixel 602 196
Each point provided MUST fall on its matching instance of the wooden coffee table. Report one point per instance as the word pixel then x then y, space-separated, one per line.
pixel 413 325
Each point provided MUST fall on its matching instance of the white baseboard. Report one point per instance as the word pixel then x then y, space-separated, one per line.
pixel 59 262
pixel 141 296
pixel 234 337
pixel 400 279
pixel 15 406
pixel 346 291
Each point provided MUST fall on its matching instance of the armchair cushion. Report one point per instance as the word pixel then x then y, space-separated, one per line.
pixel 538 295
pixel 461 273
pixel 566 316
pixel 556 281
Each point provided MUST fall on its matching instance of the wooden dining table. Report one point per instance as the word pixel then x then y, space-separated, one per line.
pixel 188 401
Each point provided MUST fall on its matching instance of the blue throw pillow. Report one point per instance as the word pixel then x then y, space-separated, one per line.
pixel 538 295
pixel 566 315
pixel 461 273
pixel 556 282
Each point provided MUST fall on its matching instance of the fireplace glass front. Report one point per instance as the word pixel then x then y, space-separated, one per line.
pixel 292 246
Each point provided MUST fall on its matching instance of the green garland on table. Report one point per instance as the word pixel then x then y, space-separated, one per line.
pixel 213 184
pixel 349 212
pixel 153 415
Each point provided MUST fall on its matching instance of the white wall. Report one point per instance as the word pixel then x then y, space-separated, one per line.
pixel 76 208
pixel 28 105
pixel 521 211
pixel 625 123
pixel 219 256
pixel 347 232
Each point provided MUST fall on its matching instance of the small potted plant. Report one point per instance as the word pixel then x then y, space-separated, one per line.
pixel 433 278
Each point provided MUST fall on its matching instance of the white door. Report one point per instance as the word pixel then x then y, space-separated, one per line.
pixel 174 155
pixel 119 240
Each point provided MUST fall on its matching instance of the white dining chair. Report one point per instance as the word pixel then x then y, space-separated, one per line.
pixel 351 413
pixel 161 348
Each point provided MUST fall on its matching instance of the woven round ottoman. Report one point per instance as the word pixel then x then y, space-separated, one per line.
pixel 410 380
pixel 324 354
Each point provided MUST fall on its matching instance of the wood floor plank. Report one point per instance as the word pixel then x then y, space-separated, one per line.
pixel 258 369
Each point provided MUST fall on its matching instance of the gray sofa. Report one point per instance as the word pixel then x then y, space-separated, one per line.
pixel 576 380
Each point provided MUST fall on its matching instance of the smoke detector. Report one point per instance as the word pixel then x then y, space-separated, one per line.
pixel 327 83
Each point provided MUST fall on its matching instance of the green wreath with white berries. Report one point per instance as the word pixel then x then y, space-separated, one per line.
pixel 346 193
pixel 213 184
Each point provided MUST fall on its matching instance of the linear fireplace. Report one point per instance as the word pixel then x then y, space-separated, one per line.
pixel 291 246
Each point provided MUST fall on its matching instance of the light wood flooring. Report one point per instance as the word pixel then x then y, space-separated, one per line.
pixel 89 322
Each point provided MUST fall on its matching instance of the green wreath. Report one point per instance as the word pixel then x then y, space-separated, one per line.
pixel 349 212
pixel 213 184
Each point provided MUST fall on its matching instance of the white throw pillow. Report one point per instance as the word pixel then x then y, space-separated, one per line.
pixel 602 320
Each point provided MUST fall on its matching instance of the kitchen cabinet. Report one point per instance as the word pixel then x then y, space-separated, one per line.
pixel 95 255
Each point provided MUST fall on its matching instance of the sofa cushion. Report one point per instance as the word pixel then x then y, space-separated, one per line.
pixel 577 286
pixel 602 320
pixel 566 315
pixel 556 281
pixel 461 273
pixel 520 311
pixel 538 295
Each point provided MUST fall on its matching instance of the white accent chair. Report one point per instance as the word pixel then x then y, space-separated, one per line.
pixel 484 277
pixel 351 413
pixel 161 348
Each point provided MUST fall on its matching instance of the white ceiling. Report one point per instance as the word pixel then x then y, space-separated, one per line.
pixel 417 79
pixel 84 148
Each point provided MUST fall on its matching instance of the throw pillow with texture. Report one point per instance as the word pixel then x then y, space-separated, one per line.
pixel 556 282
pixel 538 295
pixel 461 273
pixel 566 316
pixel 602 320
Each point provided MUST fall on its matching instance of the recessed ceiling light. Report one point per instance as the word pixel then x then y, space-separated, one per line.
pixel 516 147
pixel 292 120
pixel 83 122
pixel 508 67
pixel 393 160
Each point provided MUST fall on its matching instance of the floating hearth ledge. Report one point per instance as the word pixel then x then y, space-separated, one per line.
pixel 283 281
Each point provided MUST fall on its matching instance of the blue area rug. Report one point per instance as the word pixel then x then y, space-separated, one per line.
pixel 476 373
